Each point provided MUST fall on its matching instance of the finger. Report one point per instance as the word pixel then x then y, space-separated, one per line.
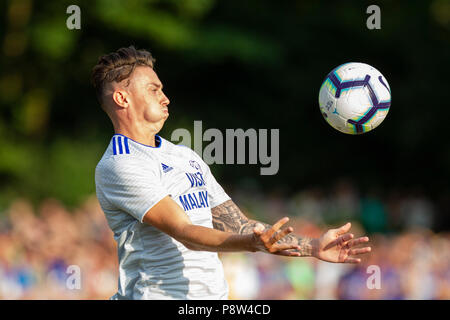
pixel 276 227
pixel 353 252
pixel 357 241
pixel 341 241
pixel 284 246
pixel 346 237
pixel 288 253
pixel 344 228
pixel 280 235
pixel 352 260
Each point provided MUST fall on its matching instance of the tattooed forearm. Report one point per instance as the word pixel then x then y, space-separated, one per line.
pixel 228 217
pixel 303 242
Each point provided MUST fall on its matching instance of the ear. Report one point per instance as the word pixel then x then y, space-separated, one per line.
pixel 121 98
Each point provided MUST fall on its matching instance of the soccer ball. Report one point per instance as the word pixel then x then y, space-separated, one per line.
pixel 354 98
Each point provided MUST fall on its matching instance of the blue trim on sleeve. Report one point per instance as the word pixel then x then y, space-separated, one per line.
pixel 119 139
pixel 114 146
pixel 125 141
pixel 158 141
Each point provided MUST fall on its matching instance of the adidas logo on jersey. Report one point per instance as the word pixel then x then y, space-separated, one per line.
pixel 166 168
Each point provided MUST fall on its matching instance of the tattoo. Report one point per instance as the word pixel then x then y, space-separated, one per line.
pixel 229 218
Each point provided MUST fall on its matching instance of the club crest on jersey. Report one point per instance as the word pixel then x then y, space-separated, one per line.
pixel 165 167
pixel 195 165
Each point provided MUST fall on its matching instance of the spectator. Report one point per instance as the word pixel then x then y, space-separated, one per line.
pixel 38 246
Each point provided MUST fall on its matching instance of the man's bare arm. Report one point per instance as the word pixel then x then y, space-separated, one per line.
pixel 169 217
pixel 229 218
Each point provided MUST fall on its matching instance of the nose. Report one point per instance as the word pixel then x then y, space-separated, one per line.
pixel 165 101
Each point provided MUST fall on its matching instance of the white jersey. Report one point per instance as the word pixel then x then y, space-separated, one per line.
pixel 130 179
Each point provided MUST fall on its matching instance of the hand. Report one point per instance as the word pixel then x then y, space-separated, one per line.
pixel 336 245
pixel 266 240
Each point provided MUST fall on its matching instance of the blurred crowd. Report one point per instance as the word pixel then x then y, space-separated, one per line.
pixel 37 250
pixel 50 252
pixel 411 265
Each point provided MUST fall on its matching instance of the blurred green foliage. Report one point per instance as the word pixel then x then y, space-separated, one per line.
pixel 232 64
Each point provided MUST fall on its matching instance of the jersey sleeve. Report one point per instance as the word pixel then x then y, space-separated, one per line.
pixel 133 186
pixel 216 194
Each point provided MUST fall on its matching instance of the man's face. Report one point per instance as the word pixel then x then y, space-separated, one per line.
pixel 148 103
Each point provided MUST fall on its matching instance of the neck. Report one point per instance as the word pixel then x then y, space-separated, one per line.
pixel 142 135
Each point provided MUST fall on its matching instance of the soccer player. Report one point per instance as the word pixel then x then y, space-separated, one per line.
pixel 169 215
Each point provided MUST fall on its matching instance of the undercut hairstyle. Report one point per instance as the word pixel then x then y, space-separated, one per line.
pixel 118 66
